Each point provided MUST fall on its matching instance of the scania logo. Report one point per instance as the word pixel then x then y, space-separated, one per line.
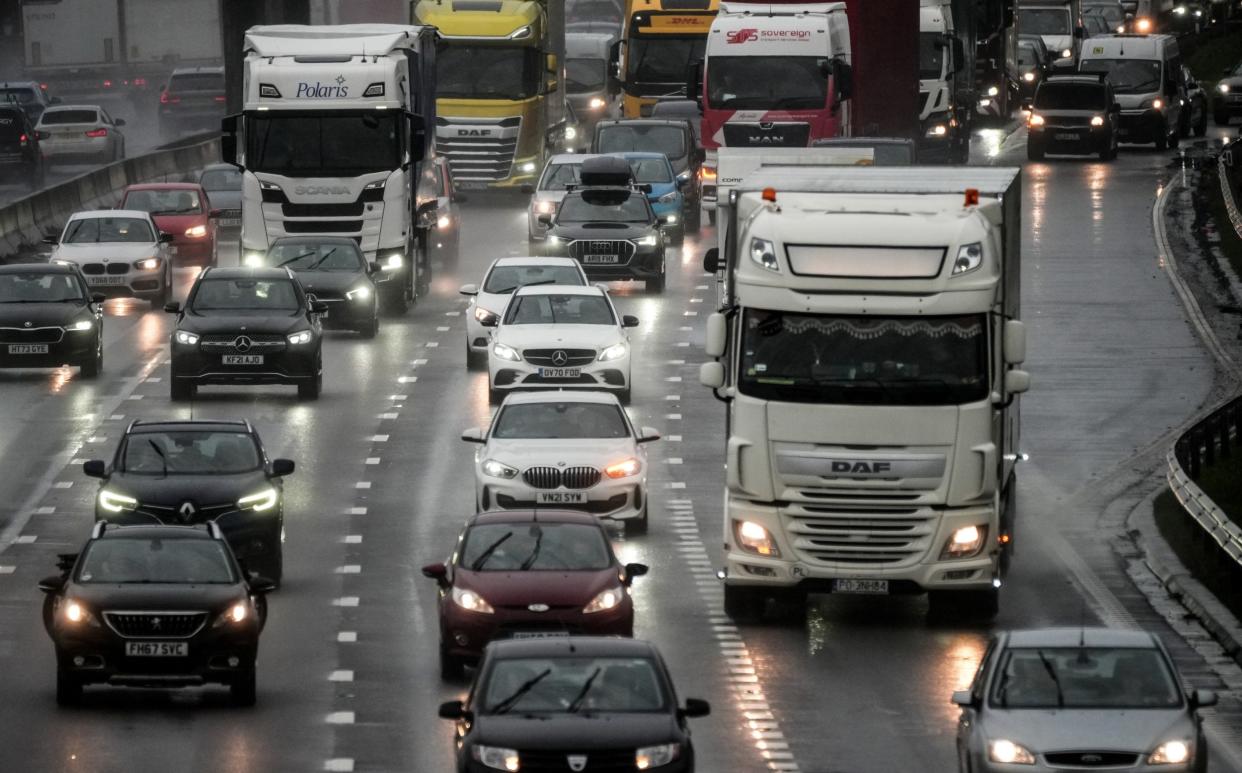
pixel 321 190
pixel 862 468
pixel 577 762
pixel 187 510
pixel 474 132
pixel 242 343
pixel 538 607
pixel 742 36
pixel 559 357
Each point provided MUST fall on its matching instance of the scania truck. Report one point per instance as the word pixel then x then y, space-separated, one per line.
pixel 660 40
pixel 500 87
pixel 869 355
pixel 333 139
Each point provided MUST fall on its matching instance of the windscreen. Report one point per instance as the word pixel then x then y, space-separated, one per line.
pixel 17 95
pixel 221 180
pixel 1084 678
pixel 560 421
pixel 570 684
pixel 164 202
pixel 559 310
pixel 1028 56
pixel 642 138
pixel 90 230
pixel 465 71
pixel 276 295
pixel 1071 96
pixel 508 547
pixel 557 176
pixel 196 82
pixel 931 55
pixel 651 170
pixel 1128 76
pixel 767 82
pixel 1044 21
pixel 505 279
pixel 191 452
pixel 40 288
pixel 662 60
pixel 308 256
pixel 848 360
pixel 1113 15
pixel 576 209
pixel 340 145
pixel 153 560
pixel 585 75
pixel 55 117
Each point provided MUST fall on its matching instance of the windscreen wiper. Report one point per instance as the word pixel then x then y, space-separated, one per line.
pixel 486 554
pixel 1052 674
pixel 576 703
pixel 295 257
pixel 508 703
pixel 534 551
pixel 163 459
pixel 317 263
pixel 525 284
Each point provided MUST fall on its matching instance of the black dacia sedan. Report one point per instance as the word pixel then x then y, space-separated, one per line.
pixel 247 326
pixel 154 606
pixel 579 703
pixel 49 318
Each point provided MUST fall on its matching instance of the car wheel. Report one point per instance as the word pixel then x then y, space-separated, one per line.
pixel 744 604
pixel 272 566
pixel 694 219
pixel 978 605
pixel 165 295
pixel 93 363
pixel 636 526
pixel 370 329
pixel 309 390
pixel 452 668
pixel 244 687
pixel 1176 139
pixel 180 389
pixel 475 360
pixel 68 688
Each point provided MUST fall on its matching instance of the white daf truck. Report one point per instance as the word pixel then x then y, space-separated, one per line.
pixel 334 139
pixel 868 352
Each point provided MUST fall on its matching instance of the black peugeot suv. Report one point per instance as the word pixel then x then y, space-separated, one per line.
pixel 1073 113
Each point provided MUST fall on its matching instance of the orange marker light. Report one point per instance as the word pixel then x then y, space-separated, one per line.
pixel 972 197
pixel 769 194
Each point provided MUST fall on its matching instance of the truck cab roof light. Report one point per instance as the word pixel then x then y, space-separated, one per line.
pixel 972 197
pixel 769 194
pixel 374 90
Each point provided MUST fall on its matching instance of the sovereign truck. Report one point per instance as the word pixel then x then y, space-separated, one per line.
pixel 499 87
pixel 868 351
pixel 660 41
pixel 333 140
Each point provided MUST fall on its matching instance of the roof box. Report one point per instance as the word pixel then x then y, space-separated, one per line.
pixel 606 170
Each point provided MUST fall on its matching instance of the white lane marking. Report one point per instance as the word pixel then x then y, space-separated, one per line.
pixel 340 718
pixel 363 484
pixel 672 398
pixel 685 328
pixel 432 344
pixel 689 314
pixel 97 439
pixel 45 510
pixel 356 511
pixel 673 438
pixel 672 460
pixel 77 460
pixel 352 539
pixel 134 397
pixel 696 300
pixel 373 460
pixel 398 398
pixel 339 765
pixel 676 362
pixel 416 363
pixel 379 438
pixel 673 416
pixel 345 601
pixel 26 539
pixel 347 637
pixel 349 569
pixel 442 329
pixel 407 379
pixel 388 416
pixel 8 569
pixel 341 676
pixel 63 484
pixel 675 485
pixel 116 417
pixel 673 379
pixel 683 344
pixel 452 313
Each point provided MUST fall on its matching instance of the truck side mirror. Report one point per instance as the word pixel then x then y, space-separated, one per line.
pixel 228 139
pixel 714 345
pixel 418 134
pixel 959 55
pixel 545 219
pixel 1017 381
pixel 711 260
pixel 712 375
pixel 694 82
pixel 843 75
pixel 1014 342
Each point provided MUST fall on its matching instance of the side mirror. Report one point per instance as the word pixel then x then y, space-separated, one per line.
pixel 695 707
pixel 1115 107
pixel 711 260
pixel 374 267
pixel 528 188
pixel 545 220
pixel 843 74
pixel 492 321
pixel 963 698
pixel 550 64
pixel 261 585
pixel 166 238
pixel 417 131
pixel 282 467
pixel 634 570
pixel 1017 381
pixel 1202 699
pixel 1079 32
pixel 629 321
pixel 437 572
pixel 712 375
pixel 119 122
pixel 215 214
pixel 52 584
pixel 319 307
pixel 468 290
pixel 228 139
pixel 173 307
pixel 51 239
pixel 473 435
pixel 98 297
pixel 716 335
pixel 648 435
pixel 95 468
pixel 1014 342
pixel 453 710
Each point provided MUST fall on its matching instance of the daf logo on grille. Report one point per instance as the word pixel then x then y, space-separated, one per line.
pixel 187 510
pixel 242 344
pixel 155 624
pixel 577 762
pixel 559 357
pixel 538 607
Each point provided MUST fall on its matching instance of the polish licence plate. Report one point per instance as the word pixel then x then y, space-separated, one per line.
pixel 538 634
pixel 601 258
pixel 860 586
pixel 27 348
pixel 561 497
pixel 230 222
pixel 243 359
pixel 157 649
pixel 560 372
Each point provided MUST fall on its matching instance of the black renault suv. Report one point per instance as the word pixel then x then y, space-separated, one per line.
pixel 247 326
pixel 192 472
pixel 154 606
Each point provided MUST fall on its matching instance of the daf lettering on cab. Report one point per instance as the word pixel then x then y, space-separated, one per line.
pixel 869 353
pixel 334 140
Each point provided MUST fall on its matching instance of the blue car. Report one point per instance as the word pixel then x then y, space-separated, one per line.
pixel 666 196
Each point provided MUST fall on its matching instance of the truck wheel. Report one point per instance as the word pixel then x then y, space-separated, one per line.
pixel 977 605
pixel 93 363
pixel 694 219
pixel 711 216
pixel 744 604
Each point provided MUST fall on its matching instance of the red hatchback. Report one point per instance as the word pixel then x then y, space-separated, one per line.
pixel 522 574
pixel 183 210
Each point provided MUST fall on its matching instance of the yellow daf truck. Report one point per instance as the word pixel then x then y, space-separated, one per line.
pixel 660 39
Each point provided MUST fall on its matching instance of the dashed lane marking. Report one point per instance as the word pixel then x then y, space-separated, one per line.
pixel 63 484
pixel 673 438
pixel 398 398
pixel 352 539
pixel 432 344
pixel 345 601
pixel 373 460
pixel 339 765
pixel 341 676
pixel 356 511
pixel 673 416
pixel 442 329
pixel 26 539
pixel 8 569
pixel 349 569
pixel 45 510
pixel 363 484
pixel 389 416
pixel 379 438
pixel 347 637
pixel 407 379
pixel 340 718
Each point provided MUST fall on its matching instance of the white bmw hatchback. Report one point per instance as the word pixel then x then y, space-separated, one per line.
pixel 553 337
pixel 566 450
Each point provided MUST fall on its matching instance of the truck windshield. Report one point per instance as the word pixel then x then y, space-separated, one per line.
pixel 584 75
pixel 322 145
pixel 931 55
pixel 851 360
pixel 662 60
pixel 767 82
pixel 487 72
pixel 1044 21
pixel 1128 76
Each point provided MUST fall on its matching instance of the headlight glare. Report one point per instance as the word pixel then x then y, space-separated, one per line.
pixel 444 222
pixel 505 352
pixel 1009 753
pixel 116 503
pixel 253 260
pixel 596 103
pixel 393 262
pixel 937 130
pixel 359 293
pixel 496 757
pixel 1029 77
pixel 614 352
pixel 969 258
pixel 965 542
pixel 1035 120
pixel 1170 753
pixel 544 207
pixel 76 612
pixel 483 316
pixel 473 602
pixel 186 337
pixel 196 231
pixel 607 599
pixel 527 168
pixel 237 612
pixel 1224 88
pixel 648 241
pixel 147 264
pixel 993 91
pixel 1066 53
pixel 300 337
pixel 80 325
pixel 624 468
pixel 763 253
pixel 1097 120
pixel 499 470
pixel 754 538
pixel 655 756
pixel 260 501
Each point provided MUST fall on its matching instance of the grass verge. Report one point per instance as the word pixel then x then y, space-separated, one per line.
pixel 1198 553
pixel 1230 242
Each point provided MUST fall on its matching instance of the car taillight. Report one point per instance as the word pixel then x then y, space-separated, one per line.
pixel 219 98
pixel 107 84
pixel 97 133
pixel 23 139
pixel 168 99
pixel 140 81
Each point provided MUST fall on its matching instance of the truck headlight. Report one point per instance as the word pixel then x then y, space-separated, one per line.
pixel 655 756
pixel 253 260
pixel 1170 753
pixel 499 470
pixel 444 222
pixel 993 91
pixel 1066 53
pixel 763 252
pixel 754 538
pixel 614 352
pixel 506 352
pixel 259 501
pixel 393 262
pixel 969 258
pixel 116 503
pixel 473 602
pixel 300 337
pixel 1009 753
pixel 937 130
pixel 1224 88
pixel 965 542
pixel 527 168
pixel 1029 77
pixel 186 337
pixel 607 599
pixel 359 293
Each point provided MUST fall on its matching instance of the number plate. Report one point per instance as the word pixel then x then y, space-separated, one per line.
pixel 106 280
pixel 1123 132
pixel 560 372
pixel 601 258
pixel 539 634
pixel 157 649
pixel 561 498
pixel 27 348
pixel 1072 136
pixel 860 586
pixel 243 359
pixel 230 222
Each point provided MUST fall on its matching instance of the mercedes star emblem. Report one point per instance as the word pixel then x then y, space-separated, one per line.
pixel 28 324
pixel 187 510
pixel 559 357
pixel 242 344
pixel 538 607
pixel 577 762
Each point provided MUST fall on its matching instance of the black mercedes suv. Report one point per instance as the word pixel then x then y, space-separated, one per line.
pixel 247 326
pixel 159 606
pixel 192 472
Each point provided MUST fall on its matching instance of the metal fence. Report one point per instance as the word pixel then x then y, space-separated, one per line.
pixel 1213 440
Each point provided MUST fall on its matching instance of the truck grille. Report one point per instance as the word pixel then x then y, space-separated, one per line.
pixel 548 357
pixel 622 248
pixel 894 536
pixel 764 135
pixel 358 219
pixel 553 477
pixel 38 335
pixel 478 149
pixel 155 625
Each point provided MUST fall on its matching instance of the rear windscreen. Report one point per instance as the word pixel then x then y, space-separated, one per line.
pixel 52 117
pixel 1070 96
pixel 196 82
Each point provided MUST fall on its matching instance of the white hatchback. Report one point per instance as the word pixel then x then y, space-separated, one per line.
pixel 563 450
pixel 80 134
pixel 120 252
pixel 552 337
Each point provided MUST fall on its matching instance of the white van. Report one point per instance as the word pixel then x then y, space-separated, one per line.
pixel 1145 73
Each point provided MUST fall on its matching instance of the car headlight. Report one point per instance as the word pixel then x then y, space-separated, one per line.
pixel 1035 120
pixel 359 293
pixel 147 264
pixel 1154 104
pixel 654 756
pixel 238 612
pixel 1224 88
pixel 499 470
pixel 668 198
pixel 624 468
pixel 1009 753
pixel 186 337
pixel 393 262
pixel 763 252
pixel 1066 53
pixel 1097 120
pixel 670 219
pixel 505 352
pixel 1170 753
pixel 571 133
pixel 937 130
pixel 472 602
pixel 485 317
pixel 596 103
pixel 544 207
pixel 554 240
pixel 609 598
pixel 496 757
pixel 253 260
pixel 965 542
pixel 969 258
pixel 993 91
pixel 754 538
pixel 1029 77
pixel 116 503
pixel 300 337
pixel 614 352
pixel 649 240
pixel 196 231
pixel 260 501
pixel 444 222
pixel 80 325
pixel 76 612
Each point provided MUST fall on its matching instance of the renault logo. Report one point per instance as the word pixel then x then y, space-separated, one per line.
pixel 577 762
pixel 242 344
pixel 559 357
pixel 538 607
pixel 187 510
